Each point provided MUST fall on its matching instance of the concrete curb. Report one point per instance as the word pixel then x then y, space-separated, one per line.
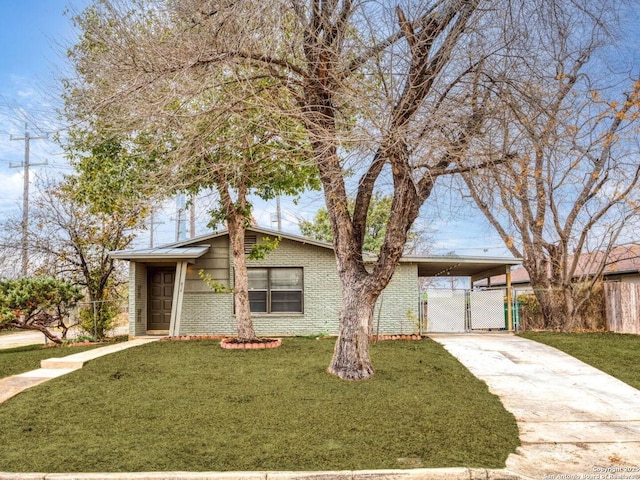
pixel 415 474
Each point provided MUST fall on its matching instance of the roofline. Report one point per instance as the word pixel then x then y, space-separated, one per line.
pixel 265 231
pixel 604 276
pixel 368 258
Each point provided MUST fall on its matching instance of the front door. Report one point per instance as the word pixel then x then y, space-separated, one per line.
pixel 160 298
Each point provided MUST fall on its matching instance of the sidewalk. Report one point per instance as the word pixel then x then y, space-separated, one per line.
pixel 56 367
pixel 21 339
pixel 573 419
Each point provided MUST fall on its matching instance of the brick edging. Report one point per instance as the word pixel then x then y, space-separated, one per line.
pixel 177 338
pixel 226 344
pixel 415 336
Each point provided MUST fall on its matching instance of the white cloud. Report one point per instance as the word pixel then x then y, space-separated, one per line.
pixel 11 186
pixel 26 93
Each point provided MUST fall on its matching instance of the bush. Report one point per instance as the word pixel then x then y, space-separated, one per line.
pixel 38 303
pixel 589 315
pixel 99 320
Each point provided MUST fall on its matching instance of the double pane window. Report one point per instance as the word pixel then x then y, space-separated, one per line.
pixel 275 290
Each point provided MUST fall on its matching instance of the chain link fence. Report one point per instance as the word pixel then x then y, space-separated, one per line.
pixel 91 317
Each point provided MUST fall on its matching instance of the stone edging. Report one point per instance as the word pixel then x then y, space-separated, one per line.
pixel 373 338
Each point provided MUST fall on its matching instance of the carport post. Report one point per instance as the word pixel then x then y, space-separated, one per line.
pixel 509 300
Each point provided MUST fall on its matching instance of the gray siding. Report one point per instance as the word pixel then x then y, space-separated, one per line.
pixel 215 263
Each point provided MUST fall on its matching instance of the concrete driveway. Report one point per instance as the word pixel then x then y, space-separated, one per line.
pixel 573 419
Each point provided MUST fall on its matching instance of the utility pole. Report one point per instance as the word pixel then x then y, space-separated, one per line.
pixel 192 217
pixel 277 217
pixel 181 220
pixel 25 195
pixel 152 225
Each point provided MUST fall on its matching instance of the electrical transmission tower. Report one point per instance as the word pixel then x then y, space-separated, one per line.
pixel 25 195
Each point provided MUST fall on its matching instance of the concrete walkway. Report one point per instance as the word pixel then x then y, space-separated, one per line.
pixel 573 419
pixel 56 367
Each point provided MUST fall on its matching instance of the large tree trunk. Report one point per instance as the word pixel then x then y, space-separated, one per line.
pixel 236 226
pixel 547 298
pixel 568 308
pixel 351 360
pixel 555 297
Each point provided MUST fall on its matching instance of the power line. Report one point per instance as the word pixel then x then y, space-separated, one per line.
pixel 25 194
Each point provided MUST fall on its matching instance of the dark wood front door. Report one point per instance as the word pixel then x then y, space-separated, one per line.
pixel 160 298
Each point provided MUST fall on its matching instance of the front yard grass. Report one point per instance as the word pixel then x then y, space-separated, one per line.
pixel 613 353
pixel 192 406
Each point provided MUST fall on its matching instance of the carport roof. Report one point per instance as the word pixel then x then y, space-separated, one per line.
pixel 456 266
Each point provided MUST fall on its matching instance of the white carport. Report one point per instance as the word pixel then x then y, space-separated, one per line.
pixel 469 309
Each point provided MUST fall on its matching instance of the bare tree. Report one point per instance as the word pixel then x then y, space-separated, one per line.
pixel 70 242
pixel 394 94
pixel 572 188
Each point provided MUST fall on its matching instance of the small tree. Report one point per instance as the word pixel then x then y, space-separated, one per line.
pixel 38 303
pixel 240 153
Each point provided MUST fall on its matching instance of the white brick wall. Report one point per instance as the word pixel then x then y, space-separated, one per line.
pixel 209 313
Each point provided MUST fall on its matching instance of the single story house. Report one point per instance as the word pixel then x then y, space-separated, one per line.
pixel 294 290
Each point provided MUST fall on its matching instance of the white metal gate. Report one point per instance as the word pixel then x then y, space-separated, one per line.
pixel 446 310
pixel 486 309
pixel 457 311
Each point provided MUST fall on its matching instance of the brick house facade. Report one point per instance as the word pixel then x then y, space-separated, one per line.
pixel 202 312
pixel 294 290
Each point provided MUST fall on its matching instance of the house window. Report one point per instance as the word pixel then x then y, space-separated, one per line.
pixel 275 290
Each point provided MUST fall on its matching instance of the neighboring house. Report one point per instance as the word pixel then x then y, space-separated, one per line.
pixel 622 265
pixel 294 290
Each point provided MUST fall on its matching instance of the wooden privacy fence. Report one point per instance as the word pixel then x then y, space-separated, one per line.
pixel 623 307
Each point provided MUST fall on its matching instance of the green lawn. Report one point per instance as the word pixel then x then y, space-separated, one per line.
pixel 22 359
pixel 613 353
pixel 194 406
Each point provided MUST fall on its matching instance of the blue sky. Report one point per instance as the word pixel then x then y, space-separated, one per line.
pixel 32 35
